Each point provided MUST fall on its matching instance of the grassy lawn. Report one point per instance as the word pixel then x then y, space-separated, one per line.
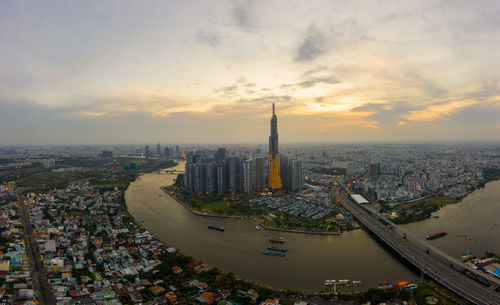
pixel 421 209
pixel 219 207
pixel 439 201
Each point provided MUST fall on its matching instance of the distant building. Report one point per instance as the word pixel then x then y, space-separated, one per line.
pixel 166 153
pixel 107 154
pixel 158 150
pixel 177 152
pixel 220 154
pixel 374 170
pixel 49 163
pixel 147 152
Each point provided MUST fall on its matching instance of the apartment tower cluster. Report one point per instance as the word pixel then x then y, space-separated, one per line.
pixel 213 172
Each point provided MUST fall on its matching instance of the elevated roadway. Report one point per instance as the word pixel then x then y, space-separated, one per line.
pixel 428 264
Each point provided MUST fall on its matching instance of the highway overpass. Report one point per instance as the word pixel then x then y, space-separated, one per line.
pixel 428 264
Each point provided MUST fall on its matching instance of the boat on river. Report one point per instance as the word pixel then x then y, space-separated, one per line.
pixel 277 240
pixel 274 254
pixel 216 228
pixel 277 249
pixel 436 235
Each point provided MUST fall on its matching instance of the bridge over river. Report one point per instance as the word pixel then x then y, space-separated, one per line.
pixel 437 269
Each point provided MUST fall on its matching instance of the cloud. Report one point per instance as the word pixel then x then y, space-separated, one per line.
pixel 312 81
pixel 321 130
pixel 210 38
pixel 374 127
pixel 426 84
pixel 438 111
pixel 317 70
pixel 267 99
pixel 241 12
pixel 402 123
pixel 311 46
pixel 239 86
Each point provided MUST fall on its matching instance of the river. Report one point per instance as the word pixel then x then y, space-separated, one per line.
pixel 310 261
pixel 472 224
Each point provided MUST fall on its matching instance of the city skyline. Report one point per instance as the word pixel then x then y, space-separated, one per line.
pixel 204 72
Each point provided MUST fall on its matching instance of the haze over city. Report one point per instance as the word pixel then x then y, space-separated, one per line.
pixel 207 71
pixel 250 152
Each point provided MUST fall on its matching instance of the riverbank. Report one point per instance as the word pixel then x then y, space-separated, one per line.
pixel 472 224
pixel 298 231
pixel 315 258
pixel 421 209
pixel 242 217
pixel 171 195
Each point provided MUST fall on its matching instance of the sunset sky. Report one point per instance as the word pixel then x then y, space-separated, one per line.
pixel 111 72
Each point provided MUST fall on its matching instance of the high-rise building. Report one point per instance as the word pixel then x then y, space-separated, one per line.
pixel 297 176
pixel 260 173
pixel 292 175
pixel 374 170
pixel 211 177
pixel 235 171
pixel 274 157
pixel 177 152
pixel 107 154
pixel 220 154
pixel 158 150
pixel 221 178
pixel 166 153
pixel 249 176
pixel 147 152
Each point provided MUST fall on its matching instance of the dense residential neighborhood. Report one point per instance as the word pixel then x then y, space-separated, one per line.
pixel 16 285
pixel 67 237
pixel 93 252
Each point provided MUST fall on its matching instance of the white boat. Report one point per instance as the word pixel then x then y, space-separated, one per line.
pixel 257 228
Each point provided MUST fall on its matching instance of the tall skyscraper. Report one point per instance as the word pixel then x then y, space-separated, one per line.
pixel 274 157
pixel 177 152
pixel 166 153
pixel 292 176
pixel 235 174
pixel 260 173
pixel 158 150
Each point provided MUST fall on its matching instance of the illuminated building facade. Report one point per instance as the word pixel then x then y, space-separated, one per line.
pixel 274 157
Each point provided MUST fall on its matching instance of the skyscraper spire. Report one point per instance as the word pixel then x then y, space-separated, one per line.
pixel 274 157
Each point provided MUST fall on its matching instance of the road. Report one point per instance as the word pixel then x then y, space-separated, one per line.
pixel 430 265
pixel 432 249
pixel 39 277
